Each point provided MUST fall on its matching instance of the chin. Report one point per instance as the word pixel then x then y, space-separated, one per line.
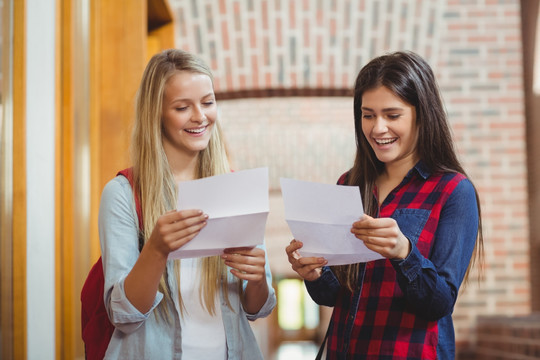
pixel 199 147
pixel 386 159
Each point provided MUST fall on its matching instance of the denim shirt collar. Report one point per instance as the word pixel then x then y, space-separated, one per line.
pixel 421 169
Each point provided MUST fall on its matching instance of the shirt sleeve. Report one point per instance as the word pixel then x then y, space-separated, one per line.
pixel 431 285
pixel 324 290
pixel 118 234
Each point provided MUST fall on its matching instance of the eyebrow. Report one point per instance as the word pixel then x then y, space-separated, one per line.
pixel 187 99
pixel 384 110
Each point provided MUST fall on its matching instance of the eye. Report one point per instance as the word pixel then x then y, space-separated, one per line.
pixel 209 103
pixel 393 116
pixel 367 116
pixel 183 108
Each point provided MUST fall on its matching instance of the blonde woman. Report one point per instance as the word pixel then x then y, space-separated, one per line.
pixel 172 309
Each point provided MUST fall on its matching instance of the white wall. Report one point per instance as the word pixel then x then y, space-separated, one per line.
pixel 40 132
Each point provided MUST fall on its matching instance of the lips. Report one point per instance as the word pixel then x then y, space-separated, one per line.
pixel 196 131
pixel 386 141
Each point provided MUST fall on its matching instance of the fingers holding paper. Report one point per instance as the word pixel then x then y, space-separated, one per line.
pixel 383 236
pixel 175 228
pixel 246 263
pixel 309 268
pixel 249 264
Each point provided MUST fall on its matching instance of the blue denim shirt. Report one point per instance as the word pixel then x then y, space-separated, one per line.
pixel 149 336
pixel 430 285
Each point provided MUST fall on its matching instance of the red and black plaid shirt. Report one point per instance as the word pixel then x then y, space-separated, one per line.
pixel 396 311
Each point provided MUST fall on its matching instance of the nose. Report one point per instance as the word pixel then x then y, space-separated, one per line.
pixel 380 126
pixel 198 115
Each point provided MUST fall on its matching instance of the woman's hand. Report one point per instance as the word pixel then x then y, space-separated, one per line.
pixel 382 235
pixel 249 264
pixel 175 228
pixel 172 230
pixel 309 268
pixel 246 263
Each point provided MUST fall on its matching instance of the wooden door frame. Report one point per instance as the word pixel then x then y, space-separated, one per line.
pixel 13 186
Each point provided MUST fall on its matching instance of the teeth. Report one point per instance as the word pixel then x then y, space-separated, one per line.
pixel 385 141
pixel 196 131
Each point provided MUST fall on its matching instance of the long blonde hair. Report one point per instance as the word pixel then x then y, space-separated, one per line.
pixel 153 179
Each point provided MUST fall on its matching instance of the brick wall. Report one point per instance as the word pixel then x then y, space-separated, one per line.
pixel 285 46
pixel 508 338
pixel 480 75
pixel 261 44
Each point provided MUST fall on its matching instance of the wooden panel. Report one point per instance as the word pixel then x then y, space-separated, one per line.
pixel 159 14
pixel 160 38
pixel 66 294
pixel 117 52
pixel 13 247
pixel 6 191
pixel 121 36
pixel 530 17
pixel 19 182
pixel 160 27
pixel 95 106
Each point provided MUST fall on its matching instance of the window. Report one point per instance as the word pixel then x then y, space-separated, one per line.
pixel 298 320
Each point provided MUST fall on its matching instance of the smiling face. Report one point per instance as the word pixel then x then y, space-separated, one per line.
pixel 189 112
pixel 389 125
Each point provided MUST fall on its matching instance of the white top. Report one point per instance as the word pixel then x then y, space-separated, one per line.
pixel 203 335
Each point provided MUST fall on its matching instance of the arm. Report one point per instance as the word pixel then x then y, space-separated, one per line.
pixel 324 290
pixel 431 285
pixel 119 247
pixel 173 229
pixel 131 279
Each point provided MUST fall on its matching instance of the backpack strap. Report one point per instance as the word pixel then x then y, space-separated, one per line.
pixel 323 345
pixel 128 174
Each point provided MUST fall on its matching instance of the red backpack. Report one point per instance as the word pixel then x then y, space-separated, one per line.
pixel 96 326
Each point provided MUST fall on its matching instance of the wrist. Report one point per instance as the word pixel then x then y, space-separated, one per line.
pixel 406 249
pixel 154 252
pixel 257 284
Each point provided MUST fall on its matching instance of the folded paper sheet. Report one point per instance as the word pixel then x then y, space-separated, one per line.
pixel 321 217
pixel 237 208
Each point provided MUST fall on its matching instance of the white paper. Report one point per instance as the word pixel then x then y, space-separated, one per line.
pixel 237 208
pixel 321 217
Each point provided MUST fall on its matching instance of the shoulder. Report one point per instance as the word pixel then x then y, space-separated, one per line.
pixel 117 190
pixel 117 184
pixel 449 180
pixel 455 179
pixel 456 186
pixel 344 178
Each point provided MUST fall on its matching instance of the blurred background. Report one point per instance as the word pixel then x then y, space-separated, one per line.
pixel 284 71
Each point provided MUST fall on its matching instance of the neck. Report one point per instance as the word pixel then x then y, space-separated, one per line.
pixel 184 171
pixel 183 166
pixel 397 171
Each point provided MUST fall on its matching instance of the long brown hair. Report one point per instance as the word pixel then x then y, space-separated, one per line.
pixel 410 78
pixel 153 178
